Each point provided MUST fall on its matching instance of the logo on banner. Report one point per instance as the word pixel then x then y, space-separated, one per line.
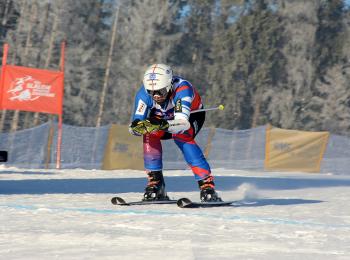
pixel 28 89
pixel 282 147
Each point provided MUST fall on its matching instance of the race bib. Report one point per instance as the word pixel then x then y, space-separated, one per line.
pixel 141 108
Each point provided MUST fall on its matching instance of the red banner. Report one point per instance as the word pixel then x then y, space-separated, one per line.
pixel 30 89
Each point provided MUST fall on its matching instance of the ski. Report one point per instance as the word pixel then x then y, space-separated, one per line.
pixel 187 203
pixel 121 202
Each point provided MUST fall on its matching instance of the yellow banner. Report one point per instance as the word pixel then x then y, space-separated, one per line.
pixel 123 150
pixel 292 150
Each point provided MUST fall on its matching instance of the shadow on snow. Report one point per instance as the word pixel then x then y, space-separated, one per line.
pixel 174 184
pixel 277 202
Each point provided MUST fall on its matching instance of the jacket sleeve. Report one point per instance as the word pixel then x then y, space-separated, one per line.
pixel 183 101
pixel 142 105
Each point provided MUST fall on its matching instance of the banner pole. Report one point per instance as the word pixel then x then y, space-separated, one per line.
pixel 4 57
pixel 59 142
pixel 2 79
pixel 63 46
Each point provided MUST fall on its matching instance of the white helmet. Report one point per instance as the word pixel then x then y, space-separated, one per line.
pixel 157 79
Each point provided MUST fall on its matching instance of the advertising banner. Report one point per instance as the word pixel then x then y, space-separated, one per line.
pixel 292 150
pixel 123 150
pixel 34 90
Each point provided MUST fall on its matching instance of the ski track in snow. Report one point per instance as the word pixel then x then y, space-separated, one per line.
pixel 254 219
pixel 67 214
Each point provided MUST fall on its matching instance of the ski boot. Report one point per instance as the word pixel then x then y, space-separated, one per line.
pixel 208 193
pixel 155 189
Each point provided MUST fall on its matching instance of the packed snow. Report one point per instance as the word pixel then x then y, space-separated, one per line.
pixel 67 214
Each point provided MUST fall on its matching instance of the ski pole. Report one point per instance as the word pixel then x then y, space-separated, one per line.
pixel 220 107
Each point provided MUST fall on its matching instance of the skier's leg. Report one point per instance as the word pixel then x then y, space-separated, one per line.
pixel 193 155
pixel 152 151
pixel 191 151
pixel 196 159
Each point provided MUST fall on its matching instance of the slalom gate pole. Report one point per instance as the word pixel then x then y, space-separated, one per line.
pixel 220 107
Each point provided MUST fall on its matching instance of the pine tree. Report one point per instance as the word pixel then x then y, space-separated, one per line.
pixel 85 26
pixel 330 38
pixel 248 49
pixel 191 52
pixel 8 18
pixel 145 35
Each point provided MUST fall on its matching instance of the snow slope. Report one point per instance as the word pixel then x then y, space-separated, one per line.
pixel 68 215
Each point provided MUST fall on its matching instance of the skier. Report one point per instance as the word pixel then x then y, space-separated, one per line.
pixel 162 111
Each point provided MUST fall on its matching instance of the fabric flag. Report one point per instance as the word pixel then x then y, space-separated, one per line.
pixel 31 89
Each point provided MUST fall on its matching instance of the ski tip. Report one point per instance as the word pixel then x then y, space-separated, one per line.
pixel 118 201
pixel 183 202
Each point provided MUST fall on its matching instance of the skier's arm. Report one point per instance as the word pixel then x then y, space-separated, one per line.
pixel 183 101
pixel 141 111
pixel 174 126
pixel 154 124
pixel 140 125
pixel 178 125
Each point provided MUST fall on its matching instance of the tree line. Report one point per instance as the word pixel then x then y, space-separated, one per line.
pixel 283 62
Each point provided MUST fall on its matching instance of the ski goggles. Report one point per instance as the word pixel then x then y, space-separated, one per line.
pixel 160 92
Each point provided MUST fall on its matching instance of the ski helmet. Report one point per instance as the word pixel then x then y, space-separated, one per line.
pixel 157 79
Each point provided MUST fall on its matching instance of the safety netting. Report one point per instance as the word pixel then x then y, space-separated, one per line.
pixel 26 148
pixel 81 147
pixel 84 147
pixel 337 156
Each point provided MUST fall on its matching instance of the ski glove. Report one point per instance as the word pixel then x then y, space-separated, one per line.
pixel 154 124
pixel 141 127
pixel 137 127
